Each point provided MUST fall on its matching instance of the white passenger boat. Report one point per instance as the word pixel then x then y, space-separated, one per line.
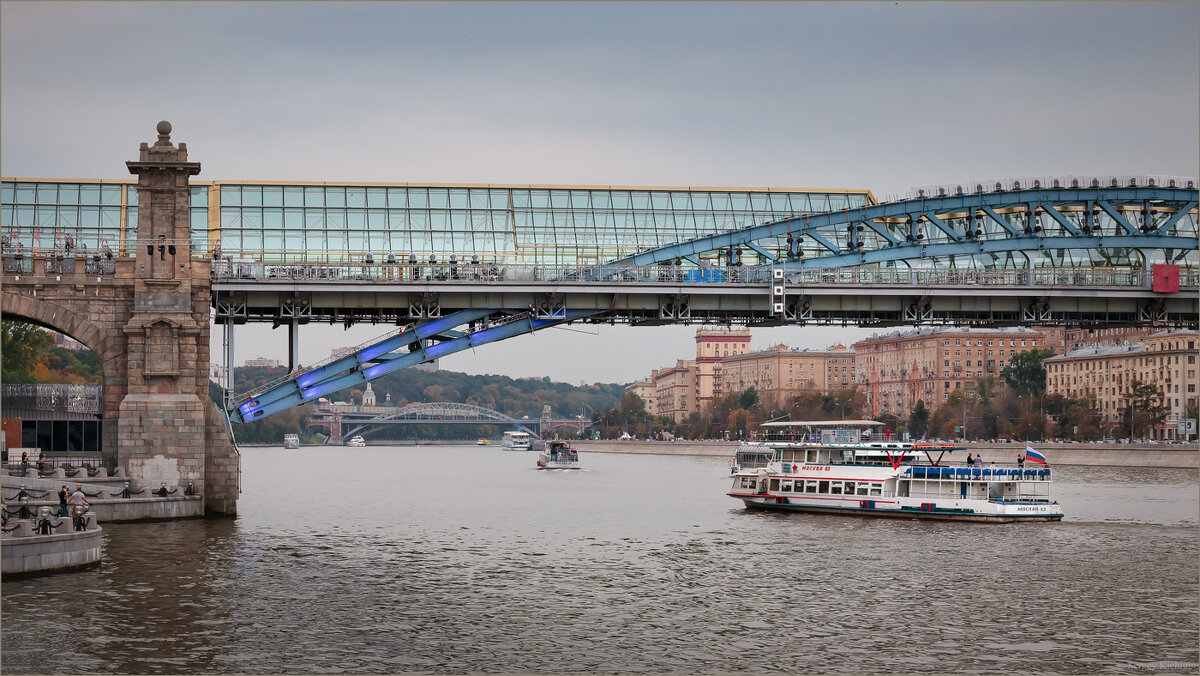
pixel 517 441
pixel 356 441
pixel 291 441
pixel 558 455
pixel 833 467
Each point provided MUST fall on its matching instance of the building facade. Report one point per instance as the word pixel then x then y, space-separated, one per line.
pixel 674 390
pixel 900 369
pixel 780 373
pixel 1104 373
pixel 713 346
pixel 645 389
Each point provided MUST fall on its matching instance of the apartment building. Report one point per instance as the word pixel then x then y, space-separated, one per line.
pixel 779 373
pixel 898 369
pixel 1105 372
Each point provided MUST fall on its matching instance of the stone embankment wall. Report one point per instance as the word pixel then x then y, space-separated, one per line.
pixel 24 552
pixel 1116 455
pixel 106 496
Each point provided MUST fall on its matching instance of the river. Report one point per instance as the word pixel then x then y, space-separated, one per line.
pixel 452 559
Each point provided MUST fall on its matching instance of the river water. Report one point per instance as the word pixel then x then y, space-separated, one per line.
pixel 466 559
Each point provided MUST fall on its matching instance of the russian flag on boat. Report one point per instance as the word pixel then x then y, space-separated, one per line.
pixel 1034 456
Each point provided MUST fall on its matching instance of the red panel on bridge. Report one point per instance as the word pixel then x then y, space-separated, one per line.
pixel 1166 278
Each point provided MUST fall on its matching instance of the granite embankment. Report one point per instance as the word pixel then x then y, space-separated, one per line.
pixel 1115 455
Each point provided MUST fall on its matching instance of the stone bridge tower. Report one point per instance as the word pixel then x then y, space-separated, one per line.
pixel 145 315
pixel 168 429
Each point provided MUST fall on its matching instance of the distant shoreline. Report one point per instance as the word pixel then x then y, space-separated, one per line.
pixel 1083 454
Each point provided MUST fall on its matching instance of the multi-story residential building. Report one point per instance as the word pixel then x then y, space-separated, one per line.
pixel 899 369
pixel 646 390
pixel 1104 373
pixel 713 346
pixel 1077 338
pixel 780 373
pixel 674 388
pixel 262 362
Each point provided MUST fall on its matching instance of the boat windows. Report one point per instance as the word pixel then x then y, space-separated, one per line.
pixel 849 488
pixel 835 488
pixel 824 487
pixel 786 487
pixel 810 456
pixel 861 489
pixel 810 487
pixel 876 489
pixel 775 485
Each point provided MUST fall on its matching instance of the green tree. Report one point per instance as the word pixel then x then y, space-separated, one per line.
pixel 748 398
pixel 1143 409
pixel 1025 373
pixel 918 420
pixel 23 346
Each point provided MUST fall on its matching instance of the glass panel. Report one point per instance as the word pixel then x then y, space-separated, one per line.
pixel 621 199
pixel 660 200
pixel 8 192
pixel 357 242
pixel 377 220
pixel 758 201
pixel 68 193
pixel 110 194
pixel 231 240
pixel 273 240
pixel 779 203
pixel 314 220
pixel 6 215
pixel 377 197
pixel 356 219
pixel 273 218
pixel 520 199
pixel 681 201
pixel 110 217
pixel 439 198
pixel 272 196
pixel 640 200
pixel 601 199
pixel 293 196
pixel 252 240
pixel 335 220
pixel 293 219
pixel 68 218
pixel 418 198
pixel 539 199
pixel 498 199
pixel 230 218
pixel 356 197
pixel 26 193
pixel 252 196
pixel 131 195
pixel 46 217
pixel 24 216
pixel 89 217
pixel 335 197
pixel 89 194
pixel 314 196
pixel 131 221
pixel 252 219
pixel 47 193
pixel 199 220
pixel 397 198
pixel 231 196
pixel 199 196
pixel 458 198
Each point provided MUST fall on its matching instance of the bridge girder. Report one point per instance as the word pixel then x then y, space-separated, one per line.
pixel 1004 221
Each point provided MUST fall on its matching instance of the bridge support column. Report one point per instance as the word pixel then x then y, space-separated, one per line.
pixel 293 343
pixel 166 432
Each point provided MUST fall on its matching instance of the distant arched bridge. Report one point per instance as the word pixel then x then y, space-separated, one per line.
pixel 352 420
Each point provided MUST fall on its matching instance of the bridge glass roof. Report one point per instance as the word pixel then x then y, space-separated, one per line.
pixel 341 223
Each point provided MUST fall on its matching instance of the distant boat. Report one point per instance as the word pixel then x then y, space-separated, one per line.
pixel 484 442
pixel 356 441
pixel 291 441
pixel 518 441
pixel 558 455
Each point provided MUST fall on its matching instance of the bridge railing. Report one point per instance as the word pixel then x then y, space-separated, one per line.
pixel 492 273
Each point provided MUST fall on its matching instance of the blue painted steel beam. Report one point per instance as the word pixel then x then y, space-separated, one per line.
pixel 1116 216
pixel 941 225
pixel 956 204
pixel 1062 221
pixel 1021 243
pixel 1170 222
pixel 380 350
pixel 491 334
pixel 1001 221
pixel 761 252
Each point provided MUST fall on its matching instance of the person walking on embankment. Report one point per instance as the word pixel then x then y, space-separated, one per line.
pixel 78 500
pixel 63 496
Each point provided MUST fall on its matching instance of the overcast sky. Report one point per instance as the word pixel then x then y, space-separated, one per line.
pixel 884 96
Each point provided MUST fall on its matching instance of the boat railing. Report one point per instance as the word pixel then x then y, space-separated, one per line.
pixel 1016 498
pixel 957 473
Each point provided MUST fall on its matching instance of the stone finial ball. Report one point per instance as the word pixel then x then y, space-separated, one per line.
pixel 164 127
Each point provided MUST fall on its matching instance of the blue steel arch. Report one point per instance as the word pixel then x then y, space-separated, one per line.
pixel 978 223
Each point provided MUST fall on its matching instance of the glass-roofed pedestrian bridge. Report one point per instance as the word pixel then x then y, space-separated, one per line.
pixel 342 223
